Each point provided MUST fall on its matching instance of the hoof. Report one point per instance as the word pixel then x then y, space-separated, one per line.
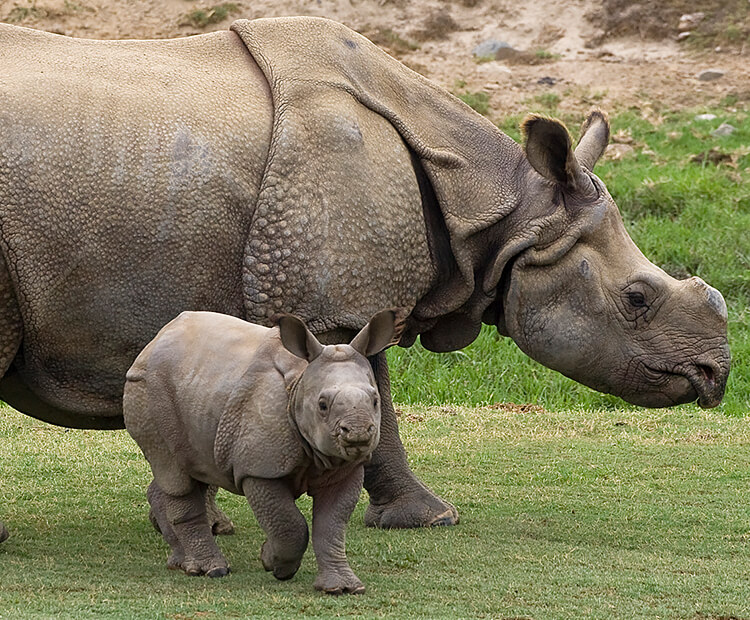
pixel 418 509
pixel 219 571
pixel 340 584
pixel 3 533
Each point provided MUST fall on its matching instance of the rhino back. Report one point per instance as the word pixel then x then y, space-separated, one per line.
pixel 183 383
pixel 128 174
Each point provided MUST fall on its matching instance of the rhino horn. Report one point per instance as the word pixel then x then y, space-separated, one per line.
pixel 594 139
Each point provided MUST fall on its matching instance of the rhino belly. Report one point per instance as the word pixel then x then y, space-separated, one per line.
pixel 128 175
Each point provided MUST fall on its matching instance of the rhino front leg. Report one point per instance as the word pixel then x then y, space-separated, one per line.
pixel 11 334
pixel 332 507
pixel 397 498
pixel 273 504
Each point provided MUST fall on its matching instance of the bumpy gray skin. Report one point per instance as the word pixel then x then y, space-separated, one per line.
pixel 269 413
pixel 290 165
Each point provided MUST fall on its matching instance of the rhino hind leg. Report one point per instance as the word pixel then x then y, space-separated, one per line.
pixel 183 522
pixel 11 334
pixel 221 524
pixel 397 498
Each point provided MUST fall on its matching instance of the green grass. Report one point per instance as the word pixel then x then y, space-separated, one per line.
pixel 609 514
pixel 689 218
pixel 200 18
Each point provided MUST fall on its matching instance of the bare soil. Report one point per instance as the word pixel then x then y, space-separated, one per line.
pixel 577 53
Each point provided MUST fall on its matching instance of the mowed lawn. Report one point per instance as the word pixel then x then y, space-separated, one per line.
pixel 604 514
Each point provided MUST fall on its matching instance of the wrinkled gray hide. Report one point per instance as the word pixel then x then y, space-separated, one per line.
pixel 269 413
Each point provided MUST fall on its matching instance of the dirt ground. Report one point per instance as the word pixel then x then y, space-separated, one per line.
pixel 583 59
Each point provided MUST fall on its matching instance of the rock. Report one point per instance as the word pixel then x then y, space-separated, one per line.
pixel 547 80
pixel 704 117
pixel 493 49
pixel 690 20
pixel 725 129
pixel 684 35
pixel 709 75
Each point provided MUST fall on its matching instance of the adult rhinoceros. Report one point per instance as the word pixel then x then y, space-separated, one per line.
pixel 290 165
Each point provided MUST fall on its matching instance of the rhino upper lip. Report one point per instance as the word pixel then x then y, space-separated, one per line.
pixel 702 378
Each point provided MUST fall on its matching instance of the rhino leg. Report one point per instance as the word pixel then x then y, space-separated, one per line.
pixel 273 504
pixel 397 498
pixel 183 523
pixel 221 524
pixel 332 507
pixel 11 333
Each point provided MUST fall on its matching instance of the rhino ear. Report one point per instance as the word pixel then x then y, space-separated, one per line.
pixel 383 330
pixel 594 139
pixel 297 339
pixel 549 151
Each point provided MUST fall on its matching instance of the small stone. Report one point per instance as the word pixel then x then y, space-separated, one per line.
pixel 547 80
pixel 709 75
pixel 725 129
pixel 704 117
pixel 684 35
pixel 493 50
pixel 690 20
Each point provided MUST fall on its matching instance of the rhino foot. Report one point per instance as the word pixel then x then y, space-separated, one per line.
pixel 214 567
pixel 336 583
pixel 419 508
pixel 3 532
pixel 281 569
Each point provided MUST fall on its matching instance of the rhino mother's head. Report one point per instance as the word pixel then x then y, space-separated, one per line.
pixel 588 304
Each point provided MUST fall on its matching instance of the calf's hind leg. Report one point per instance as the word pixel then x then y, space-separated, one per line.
pixel 184 524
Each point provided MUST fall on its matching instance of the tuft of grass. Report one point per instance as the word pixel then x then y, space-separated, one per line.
pixel 19 13
pixel 548 101
pixel 200 18
pixel 478 101
pixel 567 515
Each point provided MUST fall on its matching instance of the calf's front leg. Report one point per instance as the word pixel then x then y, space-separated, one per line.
pixel 332 507
pixel 273 504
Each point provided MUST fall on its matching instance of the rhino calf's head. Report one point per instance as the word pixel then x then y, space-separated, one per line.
pixel 335 403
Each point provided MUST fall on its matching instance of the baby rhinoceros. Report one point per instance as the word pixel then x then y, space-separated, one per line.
pixel 269 413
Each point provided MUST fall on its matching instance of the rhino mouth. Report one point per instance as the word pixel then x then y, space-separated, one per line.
pixel 689 383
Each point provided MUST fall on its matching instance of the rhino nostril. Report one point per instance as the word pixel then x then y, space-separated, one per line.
pixel 707 373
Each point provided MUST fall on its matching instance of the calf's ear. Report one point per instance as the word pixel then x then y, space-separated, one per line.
pixel 297 339
pixel 549 151
pixel 383 330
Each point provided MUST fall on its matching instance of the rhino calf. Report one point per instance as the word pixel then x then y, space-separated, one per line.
pixel 269 413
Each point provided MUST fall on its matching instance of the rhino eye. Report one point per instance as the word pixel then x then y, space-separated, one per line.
pixel 637 299
pixel 375 402
pixel 323 406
